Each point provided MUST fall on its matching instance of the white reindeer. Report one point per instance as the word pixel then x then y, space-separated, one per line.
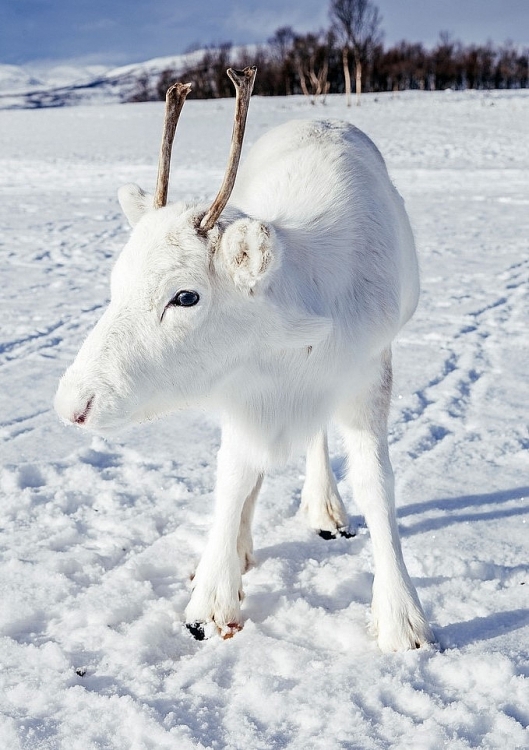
pixel 276 310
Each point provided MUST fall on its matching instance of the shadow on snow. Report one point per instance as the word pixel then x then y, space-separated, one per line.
pixel 451 510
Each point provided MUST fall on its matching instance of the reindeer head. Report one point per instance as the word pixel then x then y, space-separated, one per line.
pixel 188 298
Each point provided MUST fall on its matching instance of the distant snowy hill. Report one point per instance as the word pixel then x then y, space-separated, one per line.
pixel 30 87
pixel 23 78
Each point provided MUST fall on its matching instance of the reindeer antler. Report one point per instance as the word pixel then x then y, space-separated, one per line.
pixel 174 101
pixel 243 81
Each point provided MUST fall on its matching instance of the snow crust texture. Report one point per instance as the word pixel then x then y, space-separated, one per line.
pixel 99 539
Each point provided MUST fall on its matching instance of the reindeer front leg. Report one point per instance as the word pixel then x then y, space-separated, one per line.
pixel 398 617
pixel 217 591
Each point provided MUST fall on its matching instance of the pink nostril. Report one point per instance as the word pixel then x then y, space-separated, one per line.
pixel 80 418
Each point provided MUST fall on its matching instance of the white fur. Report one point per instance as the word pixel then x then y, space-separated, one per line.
pixel 304 282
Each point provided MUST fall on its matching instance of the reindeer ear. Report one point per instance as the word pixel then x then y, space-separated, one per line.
pixel 134 202
pixel 249 250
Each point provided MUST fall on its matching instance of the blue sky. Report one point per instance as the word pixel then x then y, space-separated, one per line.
pixel 122 31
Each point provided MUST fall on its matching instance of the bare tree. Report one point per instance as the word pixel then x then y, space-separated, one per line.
pixel 311 55
pixel 357 23
pixel 142 90
pixel 281 46
pixel 318 62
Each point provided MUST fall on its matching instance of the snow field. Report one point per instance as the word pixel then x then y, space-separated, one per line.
pixel 99 539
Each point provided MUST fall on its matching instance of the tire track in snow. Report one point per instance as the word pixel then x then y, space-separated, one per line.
pixel 444 401
pixel 13 428
pixel 8 346
pixel 43 339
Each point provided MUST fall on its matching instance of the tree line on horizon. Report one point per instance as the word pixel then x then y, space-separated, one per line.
pixel 318 63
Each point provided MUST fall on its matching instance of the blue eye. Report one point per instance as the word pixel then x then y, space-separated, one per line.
pixel 185 299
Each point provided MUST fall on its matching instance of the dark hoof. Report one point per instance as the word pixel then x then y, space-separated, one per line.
pixel 344 531
pixel 197 630
pixel 326 534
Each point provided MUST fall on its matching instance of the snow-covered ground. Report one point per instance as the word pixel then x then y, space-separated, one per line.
pixel 98 539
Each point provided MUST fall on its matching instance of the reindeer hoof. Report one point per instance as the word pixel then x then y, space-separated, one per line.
pixel 203 631
pixel 344 531
pixel 197 630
